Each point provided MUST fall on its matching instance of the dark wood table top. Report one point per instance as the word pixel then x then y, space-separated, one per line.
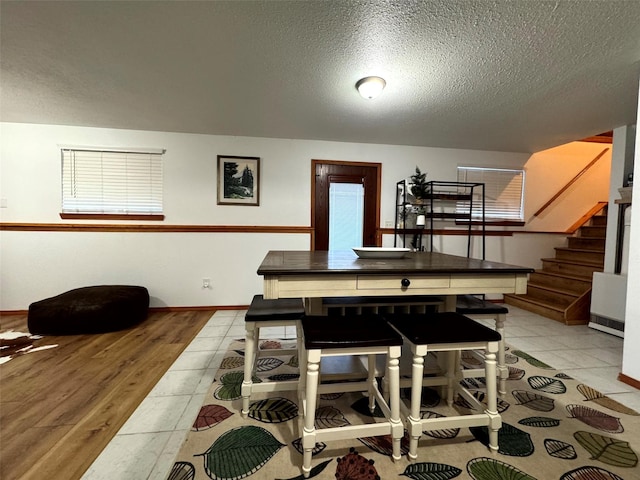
pixel 300 262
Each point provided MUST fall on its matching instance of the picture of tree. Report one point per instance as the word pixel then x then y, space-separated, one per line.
pixel 238 180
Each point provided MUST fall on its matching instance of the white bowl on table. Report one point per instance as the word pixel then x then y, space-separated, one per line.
pixel 381 252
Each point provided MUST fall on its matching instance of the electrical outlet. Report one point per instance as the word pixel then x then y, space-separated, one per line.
pixel 388 224
pixel 206 283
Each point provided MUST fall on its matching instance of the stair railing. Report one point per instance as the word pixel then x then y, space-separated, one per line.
pixel 571 182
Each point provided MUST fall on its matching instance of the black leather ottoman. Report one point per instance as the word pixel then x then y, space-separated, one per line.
pixel 98 309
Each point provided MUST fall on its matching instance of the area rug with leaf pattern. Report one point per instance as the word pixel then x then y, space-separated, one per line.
pixel 553 427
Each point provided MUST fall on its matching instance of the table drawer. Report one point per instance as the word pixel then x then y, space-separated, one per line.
pixel 484 281
pixel 310 286
pixel 395 283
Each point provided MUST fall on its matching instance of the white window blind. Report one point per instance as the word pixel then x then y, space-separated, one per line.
pixel 503 190
pixel 111 182
pixel 346 215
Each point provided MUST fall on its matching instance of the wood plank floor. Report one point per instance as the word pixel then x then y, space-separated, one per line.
pixel 60 407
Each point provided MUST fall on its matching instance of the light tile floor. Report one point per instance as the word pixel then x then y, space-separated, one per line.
pixel 146 445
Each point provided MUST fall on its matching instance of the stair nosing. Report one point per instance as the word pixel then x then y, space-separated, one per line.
pixel 561 275
pixel 537 302
pixel 586 264
pixel 583 250
pixel 555 290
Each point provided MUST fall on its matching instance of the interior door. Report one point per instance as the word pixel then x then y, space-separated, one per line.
pixel 326 172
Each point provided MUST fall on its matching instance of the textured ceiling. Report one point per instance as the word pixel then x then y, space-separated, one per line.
pixel 516 75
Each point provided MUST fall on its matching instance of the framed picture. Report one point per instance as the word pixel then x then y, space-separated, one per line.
pixel 238 180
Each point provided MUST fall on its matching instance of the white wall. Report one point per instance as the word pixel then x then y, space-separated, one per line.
pixel 631 353
pixel 36 265
pixel 550 170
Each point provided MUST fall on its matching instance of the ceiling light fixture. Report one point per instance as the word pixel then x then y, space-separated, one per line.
pixel 370 87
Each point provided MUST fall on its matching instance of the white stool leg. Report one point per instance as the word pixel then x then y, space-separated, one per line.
pixel 397 429
pixel 250 355
pixel 309 431
pixel 453 360
pixel 371 377
pixel 503 371
pixel 415 426
pixel 492 402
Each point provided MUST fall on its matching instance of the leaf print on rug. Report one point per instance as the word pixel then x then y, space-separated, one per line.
pixel 231 387
pixel 273 410
pixel 588 473
pixel 560 449
pixel 547 384
pixel 533 400
pixel 210 416
pixel 240 452
pixel 489 468
pixel 607 449
pixel 595 418
pixel 593 395
pixel 511 440
pixel 430 470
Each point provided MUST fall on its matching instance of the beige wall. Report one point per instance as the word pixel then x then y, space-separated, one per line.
pixel 36 265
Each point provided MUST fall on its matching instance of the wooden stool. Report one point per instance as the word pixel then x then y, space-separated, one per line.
pixel 351 335
pixel 448 332
pixel 479 308
pixel 279 312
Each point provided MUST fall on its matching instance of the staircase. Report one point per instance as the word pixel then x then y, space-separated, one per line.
pixel 562 289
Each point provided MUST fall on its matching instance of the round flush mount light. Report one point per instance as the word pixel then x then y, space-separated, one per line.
pixel 370 87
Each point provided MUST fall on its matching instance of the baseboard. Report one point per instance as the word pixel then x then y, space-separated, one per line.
pixel 629 381
pixel 212 308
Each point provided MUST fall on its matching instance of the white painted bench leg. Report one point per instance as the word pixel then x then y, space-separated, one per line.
pixel 250 355
pixel 311 395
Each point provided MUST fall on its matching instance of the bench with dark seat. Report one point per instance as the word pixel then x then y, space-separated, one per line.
pixel 96 309
pixel 479 308
pixel 352 335
pixel 449 333
pixel 279 312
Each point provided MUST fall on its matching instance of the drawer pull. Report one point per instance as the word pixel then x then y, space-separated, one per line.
pixel 405 282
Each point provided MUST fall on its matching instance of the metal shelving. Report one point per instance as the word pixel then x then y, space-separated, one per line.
pixel 462 202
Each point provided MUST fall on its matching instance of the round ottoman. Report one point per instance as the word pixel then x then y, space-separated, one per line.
pixel 97 309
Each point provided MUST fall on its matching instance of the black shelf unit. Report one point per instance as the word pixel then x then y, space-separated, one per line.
pixel 444 201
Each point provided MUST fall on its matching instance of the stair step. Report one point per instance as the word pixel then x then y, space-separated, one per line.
pixel 599 221
pixel 591 231
pixel 568 267
pixel 570 283
pixel 560 298
pixel 531 304
pixel 580 255
pixel 587 243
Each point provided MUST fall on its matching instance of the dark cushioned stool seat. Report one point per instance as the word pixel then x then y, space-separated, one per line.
pixel 470 305
pixel 443 327
pixel 345 332
pixel 262 310
pixel 96 309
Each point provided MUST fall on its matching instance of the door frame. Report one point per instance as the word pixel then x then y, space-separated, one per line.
pixel 378 189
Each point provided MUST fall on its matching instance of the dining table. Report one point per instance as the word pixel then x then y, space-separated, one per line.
pixel 314 275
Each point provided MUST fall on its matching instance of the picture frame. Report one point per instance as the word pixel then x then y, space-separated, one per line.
pixel 238 180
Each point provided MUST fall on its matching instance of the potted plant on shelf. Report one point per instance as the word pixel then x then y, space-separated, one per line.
pixel 419 185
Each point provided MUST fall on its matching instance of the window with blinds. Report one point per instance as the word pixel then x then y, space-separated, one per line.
pixel 503 190
pixel 110 182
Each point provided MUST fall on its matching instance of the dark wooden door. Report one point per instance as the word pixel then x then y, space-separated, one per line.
pixel 326 172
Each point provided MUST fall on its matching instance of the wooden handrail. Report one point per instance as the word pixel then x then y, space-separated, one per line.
pixel 571 182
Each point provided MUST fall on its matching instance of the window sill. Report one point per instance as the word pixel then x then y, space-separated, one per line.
pixel 110 216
